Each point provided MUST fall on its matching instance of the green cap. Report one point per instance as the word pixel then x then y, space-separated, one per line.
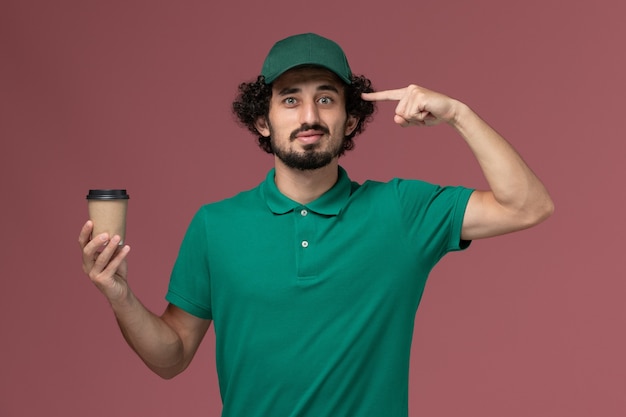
pixel 305 49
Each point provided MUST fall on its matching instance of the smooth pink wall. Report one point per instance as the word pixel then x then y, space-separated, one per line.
pixel 136 95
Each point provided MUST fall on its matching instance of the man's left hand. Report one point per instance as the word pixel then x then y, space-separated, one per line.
pixel 417 106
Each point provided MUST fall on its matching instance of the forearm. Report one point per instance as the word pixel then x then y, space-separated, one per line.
pixel 513 184
pixel 167 343
pixel 154 341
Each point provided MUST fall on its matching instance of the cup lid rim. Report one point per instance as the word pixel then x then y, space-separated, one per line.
pixel 107 194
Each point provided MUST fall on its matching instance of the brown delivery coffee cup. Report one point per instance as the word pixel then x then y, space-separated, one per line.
pixel 107 211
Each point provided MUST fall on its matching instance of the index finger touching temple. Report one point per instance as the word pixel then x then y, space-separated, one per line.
pixel 384 95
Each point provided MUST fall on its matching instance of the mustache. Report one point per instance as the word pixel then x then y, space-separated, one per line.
pixel 306 127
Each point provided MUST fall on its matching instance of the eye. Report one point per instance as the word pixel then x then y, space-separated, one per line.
pixel 325 100
pixel 290 101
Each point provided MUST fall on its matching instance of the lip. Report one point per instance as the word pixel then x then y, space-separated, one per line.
pixel 309 136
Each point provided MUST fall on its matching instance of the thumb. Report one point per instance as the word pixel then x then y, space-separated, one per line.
pixel 399 120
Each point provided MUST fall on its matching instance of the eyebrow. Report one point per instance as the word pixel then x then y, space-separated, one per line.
pixel 292 90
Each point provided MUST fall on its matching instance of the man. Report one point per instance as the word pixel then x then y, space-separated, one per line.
pixel 312 281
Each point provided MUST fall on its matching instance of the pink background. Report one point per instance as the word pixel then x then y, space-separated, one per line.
pixel 136 95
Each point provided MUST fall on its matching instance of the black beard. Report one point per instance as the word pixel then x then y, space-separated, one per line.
pixel 309 159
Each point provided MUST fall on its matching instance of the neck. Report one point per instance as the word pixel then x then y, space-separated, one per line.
pixel 305 186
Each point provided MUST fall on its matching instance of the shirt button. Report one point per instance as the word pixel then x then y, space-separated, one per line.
pixel 304 212
pixel 305 244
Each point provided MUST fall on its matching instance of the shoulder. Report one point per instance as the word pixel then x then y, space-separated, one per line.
pixel 226 212
pixel 243 200
pixel 399 187
pixel 411 195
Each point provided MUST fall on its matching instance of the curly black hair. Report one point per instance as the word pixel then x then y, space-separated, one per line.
pixel 253 101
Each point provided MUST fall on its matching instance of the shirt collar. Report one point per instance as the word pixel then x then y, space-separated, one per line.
pixel 330 203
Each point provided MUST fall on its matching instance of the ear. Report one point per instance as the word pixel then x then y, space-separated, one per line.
pixel 351 124
pixel 262 127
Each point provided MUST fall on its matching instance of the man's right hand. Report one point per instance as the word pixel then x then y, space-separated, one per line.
pixel 104 261
pixel 166 343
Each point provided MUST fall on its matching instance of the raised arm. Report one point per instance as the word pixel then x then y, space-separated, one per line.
pixel 167 343
pixel 516 200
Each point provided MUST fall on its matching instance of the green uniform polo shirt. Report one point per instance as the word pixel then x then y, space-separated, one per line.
pixel 313 305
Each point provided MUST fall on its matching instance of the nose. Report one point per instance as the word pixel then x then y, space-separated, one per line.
pixel 309 113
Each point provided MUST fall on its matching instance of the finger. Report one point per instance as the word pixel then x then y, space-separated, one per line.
pixel 431 120
pixel 102 258
pixel 404 117
pixel 423 116
pixel 384 95
pixel 114 264
pixel 92 249
pixel 85 233
pixel 95 245
pixel 101 269
pixel 108 279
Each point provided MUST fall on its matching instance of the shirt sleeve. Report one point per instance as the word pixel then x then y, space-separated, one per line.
pixel 190 281
pixel 433 215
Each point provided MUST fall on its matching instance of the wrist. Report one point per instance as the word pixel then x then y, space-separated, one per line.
pixel 460 114
pixel 123 301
